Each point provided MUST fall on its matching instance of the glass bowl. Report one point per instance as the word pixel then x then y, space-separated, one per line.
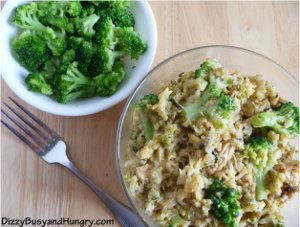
pixel 232 58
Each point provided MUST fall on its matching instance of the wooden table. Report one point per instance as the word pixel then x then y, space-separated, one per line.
pixel 31 188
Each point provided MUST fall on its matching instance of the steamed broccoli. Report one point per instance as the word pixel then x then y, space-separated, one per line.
pixel 30 50
pixel 115 43
pixel 213 104
pixel 74 85
pixel 225 205
pixel 66 60
pixel 50 68
pixel 84 53
pixel 63 24
pixel 118 11
pixel 88 8
pixel 26 17
pixel 285 120
pixel 130 42
pixel 85 25
pixel 54 15
pixel 37 83
pixel 206 68
pixel 56 45
pixel 60 9
pixel 102 61
pixel 263 154
pixel 108 83
pixel 72 8
pixel 75 47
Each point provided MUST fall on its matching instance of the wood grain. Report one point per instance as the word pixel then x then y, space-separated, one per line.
pixel 31 188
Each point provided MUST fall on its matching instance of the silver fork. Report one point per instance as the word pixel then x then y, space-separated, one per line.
pixel 52 149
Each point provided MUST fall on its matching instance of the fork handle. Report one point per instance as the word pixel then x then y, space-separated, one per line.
pixel 124 214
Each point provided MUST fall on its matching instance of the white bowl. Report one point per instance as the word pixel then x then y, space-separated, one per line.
pixel 14 74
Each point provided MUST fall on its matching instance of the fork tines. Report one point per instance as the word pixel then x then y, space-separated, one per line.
pixel 36 134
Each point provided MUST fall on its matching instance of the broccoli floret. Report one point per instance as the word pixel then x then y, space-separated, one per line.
pixel 147 126
pixel 56 44
pixel 149 99
pixel 206 68
pixel 26 17
pixel 103 60
pixel 115 43
pixel 88 8
pixel 213 104
pixel 87 55
pixel 118 11
pixel 66 60
pixel 121 18
pixel 225 207
pixel 47 9
pixel 59 8
pixel 84 53
pixel 108 83
pixel 64 24
pixel 130 42
pixel 74 85
pixel 263 154
pixel 74 42
pixel 141 110
pixel 169 135
pixel 30 50
pixel 52 14
pixel 85 25
pixel 37 83
pixel 50 68
pixel 105 56
pixel 284 121
pixel 73 8
pixel 176 220
pixel 122 4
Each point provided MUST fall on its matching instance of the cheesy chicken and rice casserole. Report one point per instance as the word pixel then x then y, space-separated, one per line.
pixel 212 149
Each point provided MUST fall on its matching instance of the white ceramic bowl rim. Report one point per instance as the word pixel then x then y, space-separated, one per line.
pixel 124 111
pixel 90 105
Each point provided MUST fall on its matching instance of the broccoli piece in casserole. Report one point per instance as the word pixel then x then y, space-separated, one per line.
pixel 263 154
pixel 213 104
pixel 206 68
pixel 225 205
pixel 284 121
pixel 142 111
